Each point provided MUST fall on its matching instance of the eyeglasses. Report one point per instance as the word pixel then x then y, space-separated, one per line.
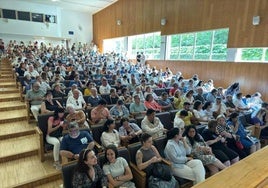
pixel 77 103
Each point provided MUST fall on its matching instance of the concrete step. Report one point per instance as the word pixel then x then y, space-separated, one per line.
pixel 9 97
pixel 11 84
pixel 6 68
pixel 20 147
pixel 53 184
pixel 27 172
pixel 6 79
pixel 9 90
pixel 16 129
pixel 6 76
pixel 10 72
pixel 13 116
pixel 12 105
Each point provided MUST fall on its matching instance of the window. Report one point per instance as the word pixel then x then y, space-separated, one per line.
pixel 149 44
pixel 10 14
pixel 23 15
pixel 50 18
pixel 114 45
pixel 36 17
pixel 206 45
pixel 252 54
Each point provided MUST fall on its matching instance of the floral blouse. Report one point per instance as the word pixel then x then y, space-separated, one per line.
pixel 82 180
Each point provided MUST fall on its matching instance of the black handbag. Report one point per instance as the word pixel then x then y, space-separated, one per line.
pixel 162 171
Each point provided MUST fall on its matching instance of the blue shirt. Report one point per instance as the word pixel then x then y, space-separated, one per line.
pixel 75 145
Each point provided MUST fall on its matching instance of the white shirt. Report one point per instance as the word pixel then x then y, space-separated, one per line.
pixel 178 122
pixel 105 89
pixel 77 103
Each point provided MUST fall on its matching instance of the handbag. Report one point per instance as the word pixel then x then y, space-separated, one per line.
pixel 161 171
pixel 239 145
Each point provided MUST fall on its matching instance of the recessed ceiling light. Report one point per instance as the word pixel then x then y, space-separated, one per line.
pixel 55 0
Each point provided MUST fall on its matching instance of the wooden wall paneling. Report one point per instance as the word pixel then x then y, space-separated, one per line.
pixel 151 20
pixel 143 16
pixel 186 16
pixel 251 76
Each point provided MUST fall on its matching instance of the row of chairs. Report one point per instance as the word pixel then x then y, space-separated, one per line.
pixel 129 153
pixel 165 117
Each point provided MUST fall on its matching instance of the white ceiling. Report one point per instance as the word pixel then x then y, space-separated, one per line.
pixel 90 6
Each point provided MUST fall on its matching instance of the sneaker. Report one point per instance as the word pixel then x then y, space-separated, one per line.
pixel 57 165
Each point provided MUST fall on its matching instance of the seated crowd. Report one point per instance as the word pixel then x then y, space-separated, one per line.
pixel 124 99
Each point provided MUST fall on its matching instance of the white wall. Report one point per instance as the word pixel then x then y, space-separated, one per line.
pixel 79 23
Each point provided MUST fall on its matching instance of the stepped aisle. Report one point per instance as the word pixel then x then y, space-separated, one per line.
pixel 20 164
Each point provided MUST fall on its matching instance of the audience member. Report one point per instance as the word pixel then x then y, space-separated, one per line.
pixel 105 87
pixel 150 103
pixel 116 168
pixel 200 150
pixel 113 97
pixel 74 142
pixel 87 172
pixel 100 113
pixel 226 155
pixel 129 132
pixel 94 98
pixel 178 120
pixel 119 110
pixel 138 92
pixel 35 97
pixel 240 105
pixel 249 142
pixel 211 96
pixel 76 100
pixel 110 135
pixel 57 91
pixel 55 126
pixel 165 102
pixel 89 86
pixel 199 95
pixel 177 103
pixel 176 151
pixel 77 116
pixel 49 106
pixel 199 114
pixel 137 108
pixel 230 137
pixel 152 125
pixel 147 156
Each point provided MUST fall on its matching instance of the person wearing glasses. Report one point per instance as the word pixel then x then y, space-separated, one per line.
pixel 76 100
pixel 87 172
pixel 75 141
pixel 76 115
pixel 35 97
